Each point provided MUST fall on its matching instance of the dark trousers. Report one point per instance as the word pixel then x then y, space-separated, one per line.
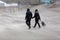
pixel 37 22
pixel 28 23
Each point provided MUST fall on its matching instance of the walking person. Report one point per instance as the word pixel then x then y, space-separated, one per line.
pixel 37 18
pixel 28 18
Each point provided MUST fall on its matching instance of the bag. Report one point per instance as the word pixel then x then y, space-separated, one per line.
pixel 43 24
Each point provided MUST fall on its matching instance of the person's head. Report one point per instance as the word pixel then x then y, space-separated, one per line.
pixel 28 9
pixel 36 10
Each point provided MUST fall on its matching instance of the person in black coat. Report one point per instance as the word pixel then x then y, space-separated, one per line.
pixel 37 18
pixel 28 18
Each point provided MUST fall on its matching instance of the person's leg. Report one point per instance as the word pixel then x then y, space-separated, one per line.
pixel 29 24
pixel 38 24
pixel 35 23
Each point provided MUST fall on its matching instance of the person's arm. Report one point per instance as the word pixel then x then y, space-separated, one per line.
pixel 26 16
pixel 39 17
pixel 34 16
pixel 31 15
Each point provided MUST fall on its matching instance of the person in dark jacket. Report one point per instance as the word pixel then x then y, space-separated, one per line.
pixel 28 18
pixel 37 18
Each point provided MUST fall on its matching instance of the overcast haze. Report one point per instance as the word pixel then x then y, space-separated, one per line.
pixel 13 27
